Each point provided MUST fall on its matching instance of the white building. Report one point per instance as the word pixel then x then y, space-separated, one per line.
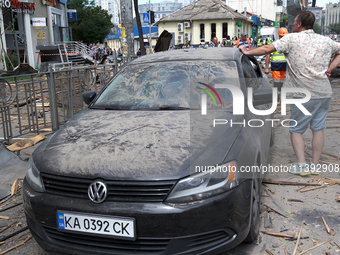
pixel 112 6
pixel 271 10
pixel 332 15
pixel 161 9
pixel 184 2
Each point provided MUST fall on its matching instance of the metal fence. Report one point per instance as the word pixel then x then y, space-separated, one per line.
pixel 41 102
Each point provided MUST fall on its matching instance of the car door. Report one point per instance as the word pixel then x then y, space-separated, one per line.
pixel 253 79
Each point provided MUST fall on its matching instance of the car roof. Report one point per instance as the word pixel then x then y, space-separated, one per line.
pixel 218 54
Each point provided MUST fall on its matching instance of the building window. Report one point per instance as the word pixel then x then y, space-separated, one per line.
pixel 202 37
pixel 213 30
pixel 224 30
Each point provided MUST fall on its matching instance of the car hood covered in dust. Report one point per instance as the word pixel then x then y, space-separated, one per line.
pixel 134 145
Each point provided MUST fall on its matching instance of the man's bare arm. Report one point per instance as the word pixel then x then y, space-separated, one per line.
pixel 333 64
pixel 263 50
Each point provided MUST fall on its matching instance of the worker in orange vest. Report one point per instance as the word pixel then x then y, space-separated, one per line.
pixel 244 41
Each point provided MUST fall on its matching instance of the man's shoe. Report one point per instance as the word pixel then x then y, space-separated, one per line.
pixel 299 170
pixel 314 168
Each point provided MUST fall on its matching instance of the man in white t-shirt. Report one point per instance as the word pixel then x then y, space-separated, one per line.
pixel 308 56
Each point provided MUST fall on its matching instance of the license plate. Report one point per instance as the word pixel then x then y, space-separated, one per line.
pixel 123 228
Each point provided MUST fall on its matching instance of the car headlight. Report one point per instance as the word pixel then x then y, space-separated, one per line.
pixel 204 185
pixel 33 177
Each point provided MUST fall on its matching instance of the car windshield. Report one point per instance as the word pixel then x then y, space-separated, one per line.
pixel 169 85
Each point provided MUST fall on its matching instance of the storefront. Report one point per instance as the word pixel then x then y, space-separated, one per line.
pixel 30 24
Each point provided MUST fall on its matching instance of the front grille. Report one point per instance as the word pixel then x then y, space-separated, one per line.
pixel 118 191
pixel 104 244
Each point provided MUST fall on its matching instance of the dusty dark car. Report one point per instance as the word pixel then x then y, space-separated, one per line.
pixel 152 166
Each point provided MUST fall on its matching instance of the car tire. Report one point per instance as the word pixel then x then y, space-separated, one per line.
pixel 255 211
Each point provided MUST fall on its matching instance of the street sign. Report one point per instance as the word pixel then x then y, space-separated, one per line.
pixel 146 18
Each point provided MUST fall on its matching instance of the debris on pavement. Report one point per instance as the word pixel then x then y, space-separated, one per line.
pixel 23 144
pixel 11 227
pixel 327 180
pixel 275 211
pixel 315 246
pixel 290 183
pixel 18 245
pixel 294 200
pixel 298 240
pixel 270 253
pixel 323 186
pixel 278 234
pixel 329 231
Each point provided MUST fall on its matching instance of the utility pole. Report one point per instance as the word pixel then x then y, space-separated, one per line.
pixel 150 27
pixel 127 20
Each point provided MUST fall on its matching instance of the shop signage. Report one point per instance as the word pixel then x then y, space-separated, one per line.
pixel 39 22
pixel 50 2
pixel 18 7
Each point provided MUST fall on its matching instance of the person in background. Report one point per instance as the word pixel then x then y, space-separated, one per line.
pixel 215 43
pixel 278 63
pixel 244 41
pixel 234 40
pixel 269 40
pixel 228 42
pixel 259 41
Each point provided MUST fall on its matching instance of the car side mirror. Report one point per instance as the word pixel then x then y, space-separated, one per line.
pixel 88 96
pixel 263 96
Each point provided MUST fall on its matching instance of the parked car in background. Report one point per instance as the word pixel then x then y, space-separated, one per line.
pixel 128 175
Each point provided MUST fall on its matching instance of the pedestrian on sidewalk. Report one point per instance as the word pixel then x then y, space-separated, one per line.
pixel 308 59
pixel 278 63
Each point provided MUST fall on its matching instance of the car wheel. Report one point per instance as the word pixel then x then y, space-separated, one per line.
pixel 255 211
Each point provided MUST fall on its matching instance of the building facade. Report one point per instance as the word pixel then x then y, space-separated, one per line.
pixel 27 25
pixel 161 9
pixel 202 20
pixel 319 13
pixel 113 7
pixel 272 10
pixel 332 15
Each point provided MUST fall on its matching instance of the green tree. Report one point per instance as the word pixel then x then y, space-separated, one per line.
pixel 317 28
pixel 93 23
pixel 335 28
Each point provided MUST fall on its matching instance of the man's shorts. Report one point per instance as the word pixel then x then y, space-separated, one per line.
pixel 319 110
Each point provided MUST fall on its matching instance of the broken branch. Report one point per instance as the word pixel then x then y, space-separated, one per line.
pixel 5 209
pixel 16 246
pixel 290 183
pixel 327 228
pixel 14 187
pixel 298 241
pixel 270 253
pixel 276 211
pixel 13 234
pixel 328 180
pixel 8 226
pixel 305 190
pixel 278 234
pixel 313 247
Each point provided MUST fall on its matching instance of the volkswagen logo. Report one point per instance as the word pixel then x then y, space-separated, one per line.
pixel 97 192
